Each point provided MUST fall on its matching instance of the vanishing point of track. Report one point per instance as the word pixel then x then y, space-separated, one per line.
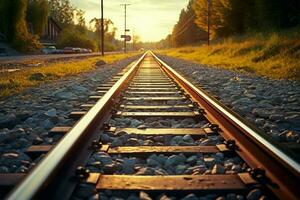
pixel 151 81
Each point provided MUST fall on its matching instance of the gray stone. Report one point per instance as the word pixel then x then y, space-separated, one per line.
pixel 164 197
pixel 104 158
pixel 116 143
pixel 51 113
pixel 145 171
pixel 174 160
pixel 153 163
pixel 132 197
pixel 260 121
pixel 176 140
pixel 100 63
pixel 158 139
pixel 47 124
pixel 65 95
pixel 188 138
pixel 210 161
pixel 84 191
pixel 218 169
pixel 275 117
pixel 111 168
pixel 133 142
pixel 254 194
pixel 37 141
pixel 144 196
pixel 180 169
pixel 135 123
pixel 190 197
pixel 128 166
pixel 192 160
pixel 105 138
pixel 8 121
pixel 231 196
pixel 260 112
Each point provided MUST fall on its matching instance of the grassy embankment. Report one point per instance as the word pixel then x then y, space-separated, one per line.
pixel 274 55
pixel 12 83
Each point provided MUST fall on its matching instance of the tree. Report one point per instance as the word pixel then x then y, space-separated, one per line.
pixel 186 31
pixel 81 26
pixel 136 40
pixel 62 11
pixel 72 37
pixel 14 26
pixel 109 33
pixel 37 15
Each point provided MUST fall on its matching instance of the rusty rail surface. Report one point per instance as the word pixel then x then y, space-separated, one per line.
pixel 50 179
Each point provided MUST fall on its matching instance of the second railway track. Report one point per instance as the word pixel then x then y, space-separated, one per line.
pixel 151 130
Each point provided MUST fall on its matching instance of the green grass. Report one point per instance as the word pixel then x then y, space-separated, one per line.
pixel 274 55
pixel 15 82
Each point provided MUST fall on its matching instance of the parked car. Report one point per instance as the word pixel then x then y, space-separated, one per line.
pixel 3 52
pixel 69 50
pixel 59 51
pixel 49 50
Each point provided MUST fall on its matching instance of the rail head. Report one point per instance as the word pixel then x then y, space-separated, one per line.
pixel 283 164
pixel 40 176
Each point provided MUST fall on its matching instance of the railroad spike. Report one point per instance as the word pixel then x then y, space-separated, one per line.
pixel 187 95
pixel 96 145
pixel 231 145
pixel 259 175
pixel 214 127
pixel 81 172
pixel 196 104
pixel 106 126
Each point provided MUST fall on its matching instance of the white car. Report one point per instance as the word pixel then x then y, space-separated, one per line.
pixel 49 50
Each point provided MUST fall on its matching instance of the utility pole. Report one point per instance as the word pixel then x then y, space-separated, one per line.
pixel 208 21
pixel 102 29
pixel 125 29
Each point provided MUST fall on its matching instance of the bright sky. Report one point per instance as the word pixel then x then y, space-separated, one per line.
pixel 152 20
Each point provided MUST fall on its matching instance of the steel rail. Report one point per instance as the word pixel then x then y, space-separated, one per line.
pixel 257 151
pixel 46 171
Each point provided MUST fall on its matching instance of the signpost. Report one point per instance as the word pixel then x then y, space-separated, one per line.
pixel 126 37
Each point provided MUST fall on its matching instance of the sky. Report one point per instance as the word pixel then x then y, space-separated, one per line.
pixel 152 20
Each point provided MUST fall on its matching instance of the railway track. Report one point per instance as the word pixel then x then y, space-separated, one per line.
pixel 151 130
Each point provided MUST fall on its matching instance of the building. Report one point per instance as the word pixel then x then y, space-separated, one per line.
pixel 51 32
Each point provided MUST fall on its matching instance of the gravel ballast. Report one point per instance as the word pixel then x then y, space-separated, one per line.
pixel 272 105
pixel 26 118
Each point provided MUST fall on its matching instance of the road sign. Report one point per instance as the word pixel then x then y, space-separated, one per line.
pixel 127 37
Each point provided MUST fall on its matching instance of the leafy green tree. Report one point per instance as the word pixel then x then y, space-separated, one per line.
pixel 186 31
pixel 109 33
pixel 72 37
pixel 14 26
pixel 81 24
pixel 37 14
pixel 62 11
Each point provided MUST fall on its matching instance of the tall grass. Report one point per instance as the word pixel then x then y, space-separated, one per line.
pixel 275 55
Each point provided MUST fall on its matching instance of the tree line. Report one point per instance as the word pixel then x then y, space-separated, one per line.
pixel 231 17
pixel 17 15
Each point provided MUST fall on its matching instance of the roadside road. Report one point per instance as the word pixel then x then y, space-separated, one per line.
pixel 45 58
